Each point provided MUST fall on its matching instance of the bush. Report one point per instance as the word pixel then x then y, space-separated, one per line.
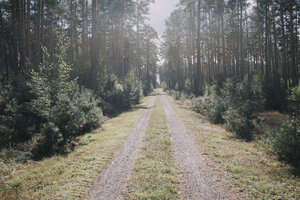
pixel 53 137
pixel 239 122
pixel 68 116
pixel 122 94
pixel 48 101
pixel 286 142
pixel 213 107
pixel 216 108
pixel 274 93
pixel 59 100
pixel 164 85
pixel 188 86
pixel 17 122
pixel 176 94
pixel 133 88
pixel 81 112
pixel 295 95
pixel 237 93
pixel 111 90
pixel 182 97
pixel 197 105
pixel 89 104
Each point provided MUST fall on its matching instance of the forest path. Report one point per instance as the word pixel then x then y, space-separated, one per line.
pixel 113 181
pixel 199 181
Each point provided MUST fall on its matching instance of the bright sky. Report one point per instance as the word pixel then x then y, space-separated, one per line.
pixel 159 12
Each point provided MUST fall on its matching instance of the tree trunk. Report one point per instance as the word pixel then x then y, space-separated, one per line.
pixel 84 28
pixel 266 40
pixel 122 43
pixel 138 57
pixel 148 76
pixel 223 40
pixel 5 49
pixel 94 45
pixel 38 33
pixel 28 34
pixel 21 30
pixel 275 48
pixel 73 34
pixel 218 45
pixel 294 75
pixel 193 45
pixel 15 49
pixel 241 42
pixel 198 70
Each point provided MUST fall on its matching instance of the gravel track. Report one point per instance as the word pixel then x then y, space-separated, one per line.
pixel 200 180
pixel 112 182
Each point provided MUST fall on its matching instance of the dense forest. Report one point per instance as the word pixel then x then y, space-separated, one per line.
pixel 241 58
pixel 209 40
pixel 59 58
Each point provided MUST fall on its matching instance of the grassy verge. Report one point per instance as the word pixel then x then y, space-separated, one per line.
pixel 155 174
pixel 69 176
pixel 254 170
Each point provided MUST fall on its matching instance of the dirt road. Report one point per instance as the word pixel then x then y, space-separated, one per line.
pixel 199 180
pixel 113 181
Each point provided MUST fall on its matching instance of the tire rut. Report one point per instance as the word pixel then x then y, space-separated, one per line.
pixel 199 180
pixel 113 180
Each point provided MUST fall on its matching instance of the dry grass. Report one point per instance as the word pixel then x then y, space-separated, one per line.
pixel 155 174
pixel 69 176
pixel 272 119
pixel 254 170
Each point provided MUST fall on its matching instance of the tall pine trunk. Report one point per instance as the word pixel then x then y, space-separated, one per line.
pixel 38 33
pixel 198 70
pixel 15 50
pixel 94 45
pixel 292 40
pixel 223 40
pixel 28 31
pixel 267 39
pixel 84 45
pixel 241 42
pixel 21 31
pixel 138 56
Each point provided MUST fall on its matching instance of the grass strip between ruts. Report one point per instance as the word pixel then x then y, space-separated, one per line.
pixel 155 175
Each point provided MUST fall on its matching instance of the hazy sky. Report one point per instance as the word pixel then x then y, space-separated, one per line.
pixel 159 11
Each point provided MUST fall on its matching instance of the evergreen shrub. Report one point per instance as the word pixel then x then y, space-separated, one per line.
pixel 239 121
pixel 286 142
pixel 164 86
pixel 122 94
pixel 48 101
pixel 274 92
